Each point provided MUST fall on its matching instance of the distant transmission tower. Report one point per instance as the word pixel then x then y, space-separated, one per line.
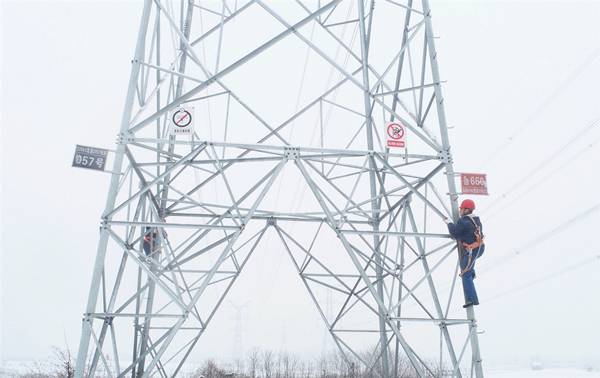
pixel 320 122
pixel 238 331
pixel 328 311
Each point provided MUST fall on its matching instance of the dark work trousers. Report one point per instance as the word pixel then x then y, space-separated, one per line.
pixel 150 243
pixel 469 275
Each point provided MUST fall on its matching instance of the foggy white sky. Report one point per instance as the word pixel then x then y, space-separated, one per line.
pixel 533 66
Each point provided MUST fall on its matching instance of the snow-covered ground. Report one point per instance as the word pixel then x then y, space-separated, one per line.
pixel 543 373
pixel 11 369
pixel 15 368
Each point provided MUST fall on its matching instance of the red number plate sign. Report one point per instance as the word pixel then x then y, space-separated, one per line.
pixel 473 183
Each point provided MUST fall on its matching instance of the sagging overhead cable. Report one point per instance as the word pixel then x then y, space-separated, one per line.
pixel 546 177
pixel 545 162
pixel 528 122
pixel 524 248
pixel 547 277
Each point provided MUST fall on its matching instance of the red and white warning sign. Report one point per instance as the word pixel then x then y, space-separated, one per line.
pixel 395 135
pixel 182 120
pixel 473 183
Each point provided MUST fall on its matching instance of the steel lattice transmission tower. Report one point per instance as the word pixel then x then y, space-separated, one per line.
pixel 290 105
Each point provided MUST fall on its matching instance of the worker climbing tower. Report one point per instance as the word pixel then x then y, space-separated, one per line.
pixel 319 122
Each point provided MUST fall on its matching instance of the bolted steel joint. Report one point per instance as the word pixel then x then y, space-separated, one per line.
pixel 124 138
pixel 446 156
pixel 337 230
pixel 398 270
pixel 271 221
pixel 291 153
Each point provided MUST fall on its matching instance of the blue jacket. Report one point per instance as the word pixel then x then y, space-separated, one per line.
pixel 150 242
pixel 464 229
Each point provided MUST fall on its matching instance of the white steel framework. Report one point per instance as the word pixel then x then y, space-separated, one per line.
pixel 309 164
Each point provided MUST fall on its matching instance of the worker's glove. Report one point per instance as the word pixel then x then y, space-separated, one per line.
pixel 447 220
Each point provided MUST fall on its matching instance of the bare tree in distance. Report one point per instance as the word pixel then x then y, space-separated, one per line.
pixel 261 364
pixel 253 361
pixel 61 365
pixel 267 364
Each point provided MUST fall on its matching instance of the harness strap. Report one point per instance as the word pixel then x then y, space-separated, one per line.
pixel 467 267
pixel 470 264
pixel 476 244
pixel 478 236
pixel 469 247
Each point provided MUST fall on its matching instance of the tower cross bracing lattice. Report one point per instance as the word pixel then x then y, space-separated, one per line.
pixel 290 102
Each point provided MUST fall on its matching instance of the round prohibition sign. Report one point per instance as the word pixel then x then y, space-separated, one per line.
pixel 395 131
pixel 182 118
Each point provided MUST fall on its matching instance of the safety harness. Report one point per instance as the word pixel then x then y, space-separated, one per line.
pixel 470 247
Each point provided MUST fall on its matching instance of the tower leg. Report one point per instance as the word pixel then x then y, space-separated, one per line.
pixel 439 99
pixel 364 47
pixel 86 329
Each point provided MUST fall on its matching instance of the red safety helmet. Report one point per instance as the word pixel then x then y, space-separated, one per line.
pixel 467 204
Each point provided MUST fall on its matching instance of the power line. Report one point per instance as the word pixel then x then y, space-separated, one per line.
pixel 553 156
pixel 547 176
pixel 545 235
pixel 529 120
pixel 545 277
